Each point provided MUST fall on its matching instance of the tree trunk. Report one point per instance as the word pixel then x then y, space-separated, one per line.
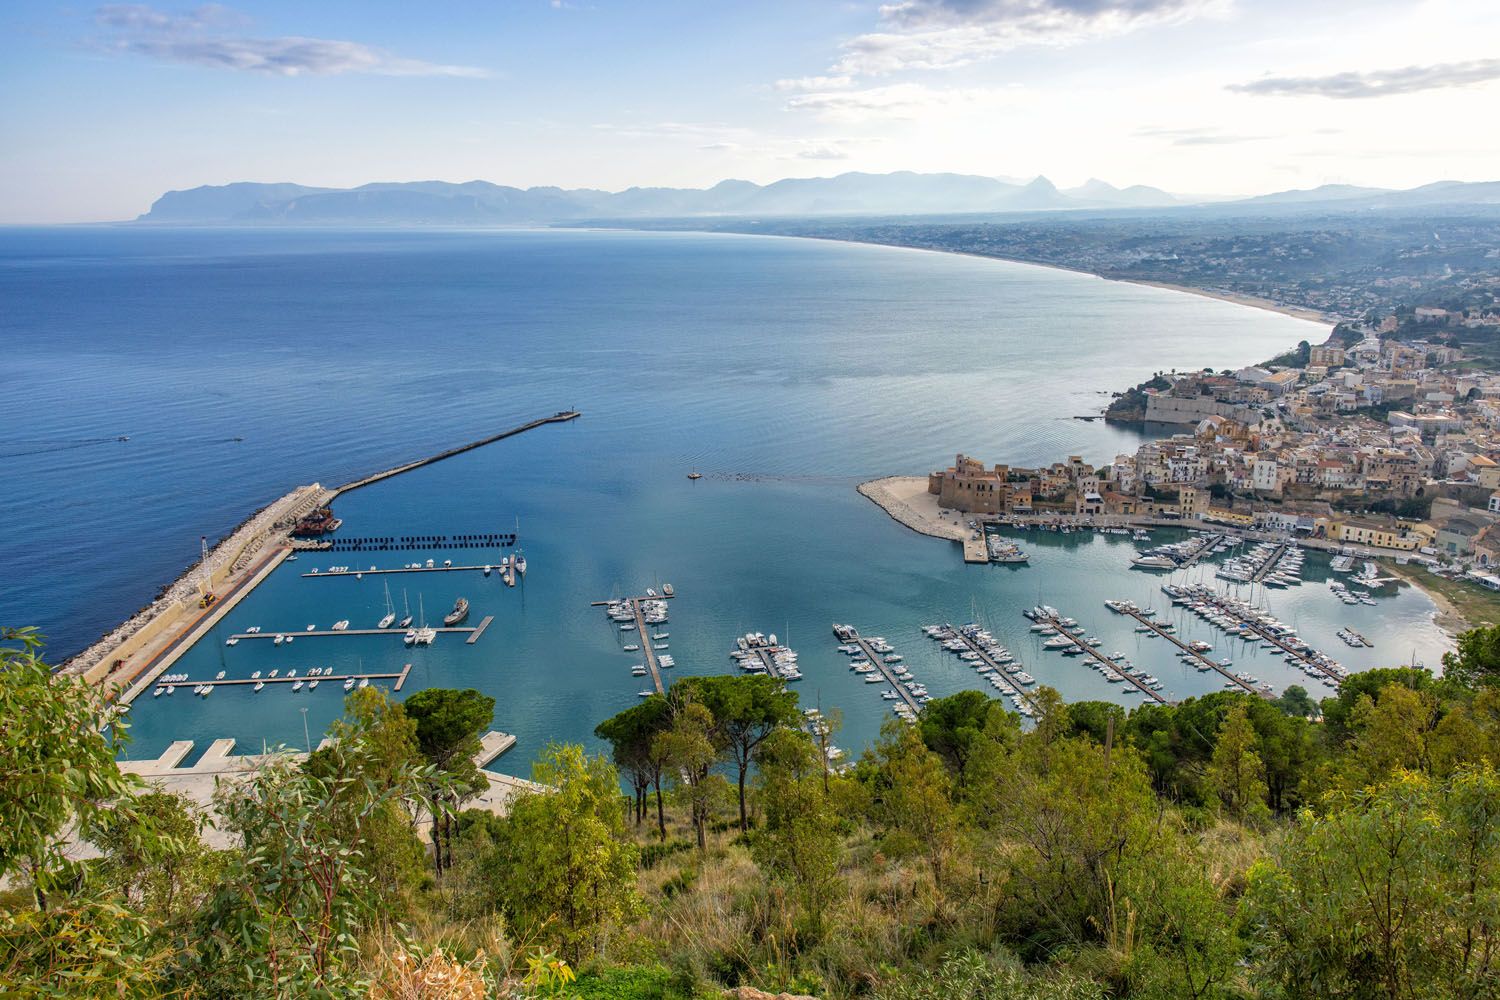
pixel 661 816
pixel 744 822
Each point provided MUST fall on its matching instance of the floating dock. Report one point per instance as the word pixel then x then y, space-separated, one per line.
pixel 325 574
pixel 1200 657
pixel 399 678
pixel 324 633
pixel 989 661
pixel 1209 541
pixel 1101 658
pixel 885 669
pixel 484 623
pixel 652 666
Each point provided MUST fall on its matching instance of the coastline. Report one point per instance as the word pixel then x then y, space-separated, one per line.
pixel 1234 298
pixel 1447 616
pixel 906 500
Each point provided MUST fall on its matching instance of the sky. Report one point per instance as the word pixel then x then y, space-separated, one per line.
pixel 106 107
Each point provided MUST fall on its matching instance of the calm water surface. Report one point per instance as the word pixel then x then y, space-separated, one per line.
pixel 243 363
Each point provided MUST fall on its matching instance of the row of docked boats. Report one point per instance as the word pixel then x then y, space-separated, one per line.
pixel 1242 620
pixel 1002 550
pixel 991 661
pixel 1272 564
pixel 758 653
pixel 863 654
pixel 1175 554
pixel 1348 595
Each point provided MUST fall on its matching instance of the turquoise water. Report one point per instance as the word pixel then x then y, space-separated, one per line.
pixel 784 371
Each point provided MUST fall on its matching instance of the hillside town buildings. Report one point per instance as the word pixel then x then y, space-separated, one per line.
pixel 1386 446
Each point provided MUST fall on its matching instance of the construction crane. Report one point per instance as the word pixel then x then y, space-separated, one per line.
pixel 205 577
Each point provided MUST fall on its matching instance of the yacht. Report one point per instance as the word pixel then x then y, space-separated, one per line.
pixel 341 625
pixel 348 683
pixel 410 636
pixel 312 685
pixel 231 641
pixel 405 621
pixel 633 647
pixel 258 685
pixel 459 613
pixel 279 639
pixel 219 676
pixel 297 686
pixel 364 682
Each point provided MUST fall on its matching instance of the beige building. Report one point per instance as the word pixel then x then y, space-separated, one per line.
pixel 970 487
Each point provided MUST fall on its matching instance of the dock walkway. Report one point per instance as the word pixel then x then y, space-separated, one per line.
pixel 324 633
pixel 652 666
pixel 990 662
pixel 1101 659
pixel 1268 636
pixel 1207 546
pixel 1269 563
pixel 1200 657
pixel 879 664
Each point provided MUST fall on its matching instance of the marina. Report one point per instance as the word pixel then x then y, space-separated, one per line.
pixel 756 652
pixel 1270 633
pixel 1198 656
pixel 875 650
pixel 641 612
pixel 1109 666
pixel 1004 673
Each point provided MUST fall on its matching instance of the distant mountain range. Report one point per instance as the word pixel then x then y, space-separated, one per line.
pixel 480 203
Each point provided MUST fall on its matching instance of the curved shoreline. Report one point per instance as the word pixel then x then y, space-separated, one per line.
pixel 1234 298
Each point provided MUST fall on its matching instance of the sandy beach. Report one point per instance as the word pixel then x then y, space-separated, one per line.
pixel 906 499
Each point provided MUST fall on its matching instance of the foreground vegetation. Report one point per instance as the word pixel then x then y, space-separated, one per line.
pixel 1227 847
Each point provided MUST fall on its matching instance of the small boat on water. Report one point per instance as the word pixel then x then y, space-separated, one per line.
pixel 220 675
pixel 279 639
pixel 632 648
pixel 231 641
pixel 258 685
pixel 459 613
pixel 297 686
pixel 348 683
pixel 405 621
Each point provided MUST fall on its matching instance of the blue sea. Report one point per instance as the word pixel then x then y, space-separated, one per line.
pixel 242 363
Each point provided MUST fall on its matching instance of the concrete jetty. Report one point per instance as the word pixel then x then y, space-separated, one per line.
pixel 131 656
pixel 560 417
pixel 219 763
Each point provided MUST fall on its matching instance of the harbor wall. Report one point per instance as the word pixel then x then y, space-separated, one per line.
pixel 1174 410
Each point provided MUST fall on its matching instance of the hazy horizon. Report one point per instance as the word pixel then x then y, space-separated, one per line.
pixel 123 102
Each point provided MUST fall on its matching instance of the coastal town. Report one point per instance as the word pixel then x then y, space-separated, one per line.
pixel 1371 446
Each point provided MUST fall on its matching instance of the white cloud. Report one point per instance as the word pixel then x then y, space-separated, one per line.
pixel 1378 83
pixel 814 83
pixel 943 34
pixel 205 36
pixel 901 101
